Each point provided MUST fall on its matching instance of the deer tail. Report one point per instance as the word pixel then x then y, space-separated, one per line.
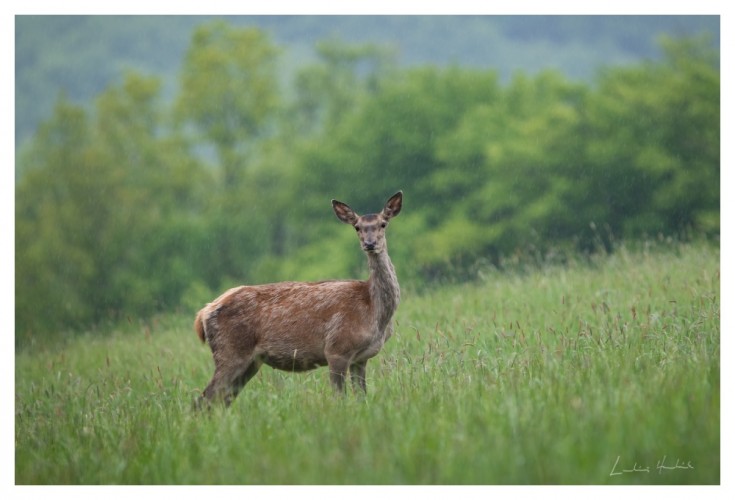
pixel 199 325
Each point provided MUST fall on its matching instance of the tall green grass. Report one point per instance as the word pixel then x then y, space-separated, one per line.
pixel 563 375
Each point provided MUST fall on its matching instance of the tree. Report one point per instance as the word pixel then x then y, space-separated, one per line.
pixel 51 256
pixel 157 198
pixel 652 143
pixel 229 96
pixel 229 91
pixel 328 91
pixel 506 163
pixel 103 211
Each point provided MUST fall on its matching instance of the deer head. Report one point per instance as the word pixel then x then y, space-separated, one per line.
pixel 370 227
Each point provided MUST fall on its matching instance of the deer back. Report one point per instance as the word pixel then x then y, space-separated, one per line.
pixel 290 325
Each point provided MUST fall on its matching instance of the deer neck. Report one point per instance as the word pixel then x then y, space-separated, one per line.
pixel 384 291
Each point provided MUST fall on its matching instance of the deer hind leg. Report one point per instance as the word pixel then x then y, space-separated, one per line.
pixel 357 373
pixel 228 380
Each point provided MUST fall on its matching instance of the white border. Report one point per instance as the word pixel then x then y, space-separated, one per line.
pixel 11 8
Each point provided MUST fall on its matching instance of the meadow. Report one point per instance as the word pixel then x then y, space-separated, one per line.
pixel 599 371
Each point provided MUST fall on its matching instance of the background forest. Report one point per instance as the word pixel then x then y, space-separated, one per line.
pixel 154 196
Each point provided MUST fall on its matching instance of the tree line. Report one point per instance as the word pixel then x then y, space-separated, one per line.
pixel 136 204
pixel 83 54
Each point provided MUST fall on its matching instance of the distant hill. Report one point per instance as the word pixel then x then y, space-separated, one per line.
pixel 80 55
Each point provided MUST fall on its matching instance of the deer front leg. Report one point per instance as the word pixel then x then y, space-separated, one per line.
pixel 357 373
pixel 337 372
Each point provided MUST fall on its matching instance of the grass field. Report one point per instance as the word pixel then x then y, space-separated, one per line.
pixel 589 373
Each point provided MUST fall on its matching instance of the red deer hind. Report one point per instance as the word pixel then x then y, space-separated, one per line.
pixel 300 326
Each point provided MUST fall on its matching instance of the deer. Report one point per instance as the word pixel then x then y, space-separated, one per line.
pixel 299 326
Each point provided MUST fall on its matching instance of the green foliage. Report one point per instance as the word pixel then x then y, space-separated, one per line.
pixel 326 92
pixel 228 88
pixel 134 205
pixel 84 54
pixel 514 155
pixel 229 96
pixel 107 214
pixel 653 143
pixel 545 377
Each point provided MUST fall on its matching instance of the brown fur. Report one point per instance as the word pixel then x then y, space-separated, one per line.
pixel 297 326
pixel 199 326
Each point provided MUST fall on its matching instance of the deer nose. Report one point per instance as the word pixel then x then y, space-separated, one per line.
pixel 369 246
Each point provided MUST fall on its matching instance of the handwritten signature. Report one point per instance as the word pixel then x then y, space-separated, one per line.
pixel 661 466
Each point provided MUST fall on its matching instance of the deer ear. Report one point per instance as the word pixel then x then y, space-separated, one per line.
pixel 344 212
pixel 393 205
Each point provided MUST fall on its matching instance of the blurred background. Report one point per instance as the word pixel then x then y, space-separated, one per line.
pixel 162 159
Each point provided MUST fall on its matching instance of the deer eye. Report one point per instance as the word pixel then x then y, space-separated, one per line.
pixel 357 228
pixel 383 225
